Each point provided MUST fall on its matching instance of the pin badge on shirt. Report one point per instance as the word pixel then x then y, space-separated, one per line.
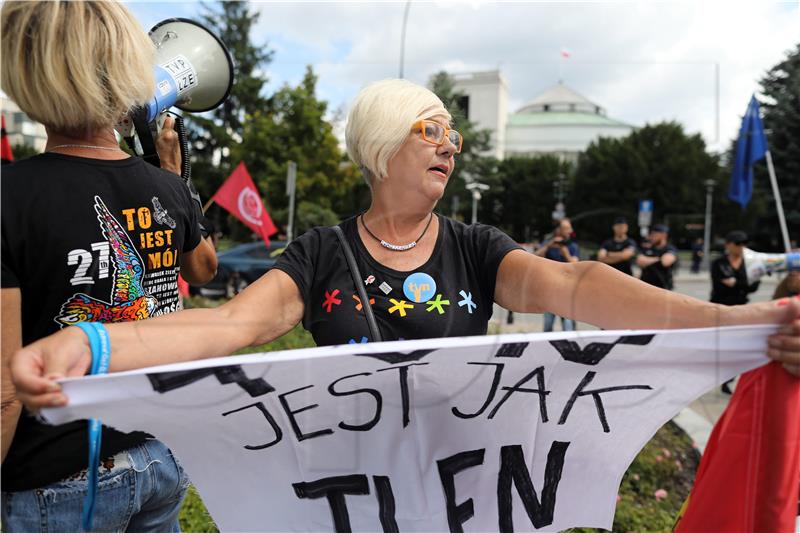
pixel 385 287
pixel 419 287
pixel 370 280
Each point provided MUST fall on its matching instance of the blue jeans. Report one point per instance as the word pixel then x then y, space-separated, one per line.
pixel 567 324
pixel 143 491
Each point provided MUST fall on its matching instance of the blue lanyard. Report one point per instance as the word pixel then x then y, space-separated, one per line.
pixel 101 355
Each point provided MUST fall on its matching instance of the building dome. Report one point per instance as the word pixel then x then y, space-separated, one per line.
pixel 561 98
pixel 559 121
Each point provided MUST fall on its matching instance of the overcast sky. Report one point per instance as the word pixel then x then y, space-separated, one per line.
pixel 643 61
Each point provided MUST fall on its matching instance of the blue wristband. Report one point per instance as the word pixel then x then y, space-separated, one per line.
pixel 101 356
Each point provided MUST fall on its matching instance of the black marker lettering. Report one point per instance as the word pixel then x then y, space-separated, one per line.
pixel 448 468
pixel 539 373
pixel 495 382
pixel 404 387
pixel 598 401
pixel 278 433
pixel 334 489
pixel 293 421
pixel 513 469
pixel 512 349
pixel 386 509
pixel 372 392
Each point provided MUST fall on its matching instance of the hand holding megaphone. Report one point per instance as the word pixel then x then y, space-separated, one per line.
pixel 194 72
pixel 759 264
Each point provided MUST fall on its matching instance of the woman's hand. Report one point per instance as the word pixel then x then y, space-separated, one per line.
pixel 36 367
pixel 168 147
pixel 784 346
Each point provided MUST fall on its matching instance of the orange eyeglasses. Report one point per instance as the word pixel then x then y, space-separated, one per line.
pixel 435 133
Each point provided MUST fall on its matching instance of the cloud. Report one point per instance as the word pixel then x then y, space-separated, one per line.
pixel 643 61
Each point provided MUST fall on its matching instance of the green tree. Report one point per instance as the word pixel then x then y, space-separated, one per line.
pixel 213 134
pixel 472 164
pixel 658 162
pixel 781 108
pixel 23 151
pixel 294 128
pixel 521 197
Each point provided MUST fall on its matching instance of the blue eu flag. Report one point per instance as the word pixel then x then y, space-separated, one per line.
pixel 751 146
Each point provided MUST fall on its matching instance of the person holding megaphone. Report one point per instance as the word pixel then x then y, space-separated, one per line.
pixel 729 283
pixel 88 234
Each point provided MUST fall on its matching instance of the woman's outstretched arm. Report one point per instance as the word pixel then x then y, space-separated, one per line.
pixel 264 311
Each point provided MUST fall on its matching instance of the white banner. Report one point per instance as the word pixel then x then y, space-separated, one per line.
pixel 527 432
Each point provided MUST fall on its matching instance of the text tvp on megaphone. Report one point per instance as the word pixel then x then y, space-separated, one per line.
pixel 193 72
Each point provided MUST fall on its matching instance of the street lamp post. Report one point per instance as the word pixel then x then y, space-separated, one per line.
pixel 476 189
pixel 403 38
pixel 709 183
pixel 560 192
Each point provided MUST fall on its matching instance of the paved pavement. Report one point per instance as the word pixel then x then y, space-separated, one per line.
pixel 697 419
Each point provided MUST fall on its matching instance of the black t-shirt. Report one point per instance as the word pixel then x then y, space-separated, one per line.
pixel 721 268
pixel 613 245
pixel 657 274
pixel 450 295
pixel 86 240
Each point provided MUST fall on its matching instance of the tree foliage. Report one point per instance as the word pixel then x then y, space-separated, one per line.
pixel 23 151
pixel 781 107
pixel 212 134
pixel 521 197
pixel 268 131
pixel 472 164
pixel 658 162
pixel 294 128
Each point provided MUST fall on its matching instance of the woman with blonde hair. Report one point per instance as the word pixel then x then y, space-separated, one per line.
pixel 419 273
pixel 88 234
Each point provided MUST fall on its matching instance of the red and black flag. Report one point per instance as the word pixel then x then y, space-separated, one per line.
pixel 5 147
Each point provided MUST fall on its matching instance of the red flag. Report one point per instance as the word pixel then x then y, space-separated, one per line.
pixel 239 196
pixel 749 477
pixel 5 147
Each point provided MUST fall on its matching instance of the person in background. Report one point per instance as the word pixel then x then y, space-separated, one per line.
pixel 563 249
pixel 729 284
pixel 619 251
pixel 658 260
pixel 697 255
pixel 89 233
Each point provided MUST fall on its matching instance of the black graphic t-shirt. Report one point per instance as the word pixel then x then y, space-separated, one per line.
pixel 86 240
pixel 613 245
pixel 657 274
pixel 450 295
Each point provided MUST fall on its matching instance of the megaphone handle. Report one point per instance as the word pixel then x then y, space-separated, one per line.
pixel 183 143
pixel 146 136
pixel 186 165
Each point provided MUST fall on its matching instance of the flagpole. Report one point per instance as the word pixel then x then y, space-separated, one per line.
pixel 778 203
pixel 208 204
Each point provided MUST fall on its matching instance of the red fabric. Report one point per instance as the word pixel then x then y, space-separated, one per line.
pixel 239 196
pixel 183 287
pixel 5 147
pixel 749 476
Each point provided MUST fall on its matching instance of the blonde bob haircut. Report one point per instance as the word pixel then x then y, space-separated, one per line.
pixel 75 65
pixel 380 121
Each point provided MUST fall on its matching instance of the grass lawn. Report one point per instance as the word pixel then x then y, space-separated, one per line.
pixel 651 493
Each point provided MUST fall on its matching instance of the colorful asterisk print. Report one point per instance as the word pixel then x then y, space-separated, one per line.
pixel 400 306
pixel 467 301
pixel 331 300
pixel 437 304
